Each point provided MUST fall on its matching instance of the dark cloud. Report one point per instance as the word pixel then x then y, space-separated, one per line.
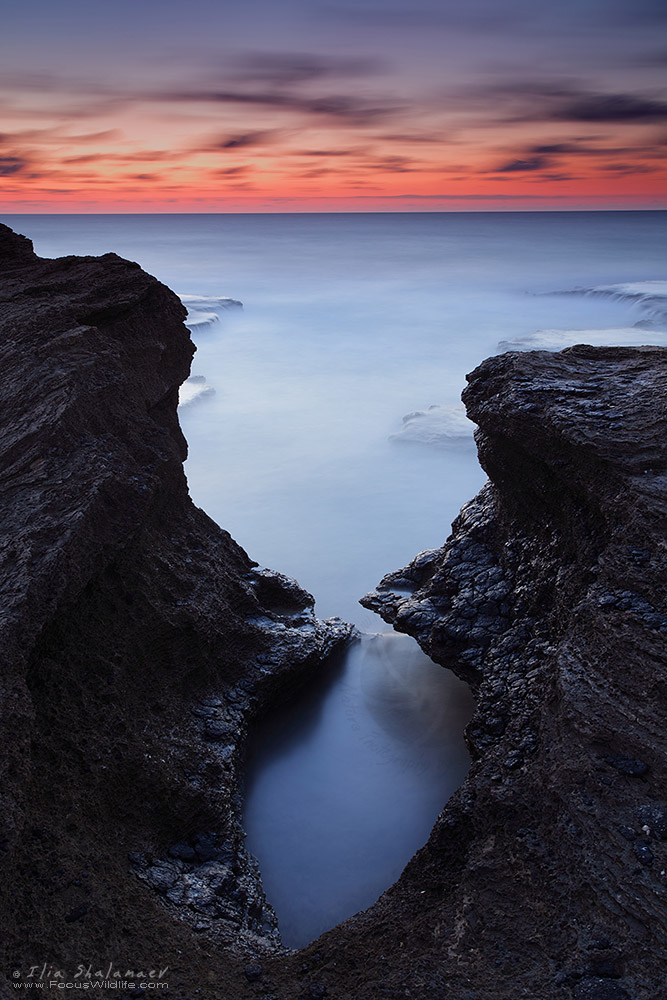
pixel 558 147
pixel 87 158
pixel 627 169
pixel 323 152
pixel 530 100
pixel 523 166
pixel 316 172
pixel 10 165
pixel 287 69
pixel 612 108
pixel 576 147
pixel 543 157
pixel 394 164
pixel 232 171
pixel 243 140
pixel 352 110
pixel 416 137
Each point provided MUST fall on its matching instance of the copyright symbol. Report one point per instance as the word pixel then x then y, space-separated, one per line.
pixel 16 974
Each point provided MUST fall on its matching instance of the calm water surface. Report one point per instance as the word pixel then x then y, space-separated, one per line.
pixel 351 322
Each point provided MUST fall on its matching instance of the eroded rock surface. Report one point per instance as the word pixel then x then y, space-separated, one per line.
pixel 138 642
pixel 545 876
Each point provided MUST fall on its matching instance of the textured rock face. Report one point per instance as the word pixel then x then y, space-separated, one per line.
pixel 138 641
pixel 547 871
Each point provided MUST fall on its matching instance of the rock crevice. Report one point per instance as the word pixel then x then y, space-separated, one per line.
pixel 549 599
pixel 138 639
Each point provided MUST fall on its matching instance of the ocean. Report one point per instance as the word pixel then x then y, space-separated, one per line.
pixel 326 434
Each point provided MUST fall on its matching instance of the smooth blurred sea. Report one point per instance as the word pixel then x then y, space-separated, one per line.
pixel 298 448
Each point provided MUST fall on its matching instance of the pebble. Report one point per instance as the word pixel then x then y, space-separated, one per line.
pixel 253 972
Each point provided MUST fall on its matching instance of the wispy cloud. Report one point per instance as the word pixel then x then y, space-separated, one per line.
pixel 239 140
pixel 617 108
pixel 347 108
pixel 286 69
pixel 544 157
pixel 12 165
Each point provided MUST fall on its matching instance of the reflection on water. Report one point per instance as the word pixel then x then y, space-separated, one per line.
pixel 344 785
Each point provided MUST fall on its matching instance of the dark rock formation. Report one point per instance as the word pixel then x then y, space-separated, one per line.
pixel 138 641
pixel 545 876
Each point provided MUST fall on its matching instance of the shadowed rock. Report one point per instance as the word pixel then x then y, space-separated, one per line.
pixel 550 598
pixel 135 645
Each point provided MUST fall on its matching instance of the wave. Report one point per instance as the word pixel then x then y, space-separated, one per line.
pixel 193 390
pixel 203 310
pixel 441 426
pixel 557 340
pixel 210 302
pixel 196 318
pixel 650 296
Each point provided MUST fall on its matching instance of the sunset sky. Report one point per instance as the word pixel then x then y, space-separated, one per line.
pixel 318 105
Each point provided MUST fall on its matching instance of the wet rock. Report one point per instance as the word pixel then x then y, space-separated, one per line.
pixel 134 654
pixel 626 765
pixel 644 853
pixel 253 972
pixel 655 818
pixel 208 847
pixel 118 595
pixel 182 851
pixel 162 877
pixel 220 731
pixel 549 599
pixel 316 991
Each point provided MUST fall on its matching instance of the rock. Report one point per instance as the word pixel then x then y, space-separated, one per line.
pixel 599 989
pixel 124 609
pixel 626 765
pixel 655 818
pixel 182 851
pixel 549 598
pixel 253 972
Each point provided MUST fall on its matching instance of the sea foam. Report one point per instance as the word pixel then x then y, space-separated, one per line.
pixel 650 296
pixel 203 310
pixel 193 390
pixel 557 340
pixel 442 426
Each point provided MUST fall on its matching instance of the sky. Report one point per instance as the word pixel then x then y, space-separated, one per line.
pixel 319 105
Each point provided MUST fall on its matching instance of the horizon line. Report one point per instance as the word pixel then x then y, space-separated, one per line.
pixel 448 211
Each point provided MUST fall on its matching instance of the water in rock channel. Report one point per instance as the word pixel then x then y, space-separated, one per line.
pixel 299 448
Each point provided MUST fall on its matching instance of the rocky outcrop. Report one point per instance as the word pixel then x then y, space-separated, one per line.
pixel 138 642
pixel 545 876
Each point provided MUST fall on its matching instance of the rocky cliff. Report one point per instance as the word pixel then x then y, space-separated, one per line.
pixel 545 876
pixel 139 641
